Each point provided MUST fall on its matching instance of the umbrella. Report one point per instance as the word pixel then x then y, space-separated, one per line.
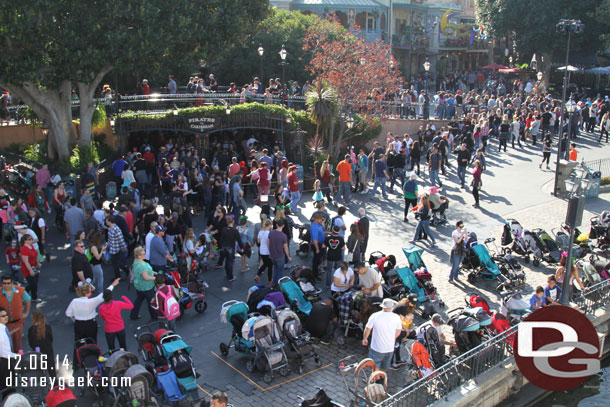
pixel 514 70
pixel 600 70
pixel 494 67
pixel 569 68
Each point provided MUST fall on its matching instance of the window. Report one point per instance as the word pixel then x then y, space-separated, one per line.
pixel 371 23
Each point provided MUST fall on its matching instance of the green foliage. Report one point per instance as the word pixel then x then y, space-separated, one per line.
pixel 532 23
pixel 103 150
pixel 99 118
pixel 271 110
pixel 36 152
pixel 81 156
pixel 365 129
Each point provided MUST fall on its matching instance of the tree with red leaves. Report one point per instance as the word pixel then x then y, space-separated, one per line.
pixel 360 72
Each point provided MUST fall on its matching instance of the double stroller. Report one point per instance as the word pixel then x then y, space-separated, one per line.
pixel 297 339
pixel 258 337
pixel 167 356
pixel 521 241
pixel 600 230
pixel 125 364
pixel 551 253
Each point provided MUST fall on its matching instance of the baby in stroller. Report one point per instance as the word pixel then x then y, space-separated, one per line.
pixel 298 340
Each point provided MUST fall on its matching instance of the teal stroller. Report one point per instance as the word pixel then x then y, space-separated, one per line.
pixel 295 295
pixel 177 353
pixel 236 314
pixel 418 280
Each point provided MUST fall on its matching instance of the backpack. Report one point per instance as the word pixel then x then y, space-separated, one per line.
pixel 171 308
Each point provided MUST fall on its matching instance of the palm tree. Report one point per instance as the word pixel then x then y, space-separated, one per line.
pixel 322 103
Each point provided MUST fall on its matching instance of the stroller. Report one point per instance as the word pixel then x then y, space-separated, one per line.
pixel 421 359
pixel 141 383
pixel 298 340
pixel 187 298
pixel 418 269
pixel 471 261
pixel 304 277
pixel 514 307
pixel 551 253
pixel 487 268
pixel 116 366
pixel 89 357
pixel 304 239
pixel 354 309
pixel 147 346
pixel 523 242
pixel 177 353
pixel 469 327
pixel 269 355
pixel 321 399
pixel 296 298
pixel 433 344
pixel 600 230
pixel 236 314
pixel 509 266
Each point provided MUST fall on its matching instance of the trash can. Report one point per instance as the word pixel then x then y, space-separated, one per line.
pixel 565 171
pixel 111 192
pixel 70 186
pixel 595 182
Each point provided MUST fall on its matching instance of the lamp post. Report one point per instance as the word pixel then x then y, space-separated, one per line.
pixel 283 53
pixel 426 69
pixel 576 186
pixel 288 120
pixel 564 26
pixel 261 51
pixel 350 122
pixel 570 108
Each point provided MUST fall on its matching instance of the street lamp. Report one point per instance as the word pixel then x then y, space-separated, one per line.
pixel 175 110
pixel 228 110
pixel 565 26
pixel 533 63
pixel 576 187
pixel 283 53
pixel 571 107
pixel 426 69
pixel 350 122
pixel 261 51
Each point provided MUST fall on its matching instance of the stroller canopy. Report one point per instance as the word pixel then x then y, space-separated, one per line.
pixel 88 350
pixel 169 348
pixel 413 255
pixel 136 371
pixel 464 323
pixel 479 314
pixel 264 326
pixel 286 315
pixel 485 259
pixel 410 281
pixel 516 303
pixel 120 361
pixel 295 294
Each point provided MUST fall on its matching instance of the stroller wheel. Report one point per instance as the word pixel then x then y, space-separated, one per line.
pixel 340 340
pixel 472 277
pixel 201 306
pixel 535 262
pixel 284 371
pixel 506 251
pixel 318 361
pixel 268 377
pixel 224 349
pixel 250 366
pixel 300 369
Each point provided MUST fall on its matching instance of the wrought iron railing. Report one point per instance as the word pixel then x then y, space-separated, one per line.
pixel 602 166
pixel 594 298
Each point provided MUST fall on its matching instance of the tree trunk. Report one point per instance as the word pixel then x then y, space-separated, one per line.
pixel 331 137
pixel 86 92
pixel 546 56
pixel 47 106
pixel 340 137
pixel 65 106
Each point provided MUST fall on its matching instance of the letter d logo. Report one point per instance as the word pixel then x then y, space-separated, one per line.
pixel 526 334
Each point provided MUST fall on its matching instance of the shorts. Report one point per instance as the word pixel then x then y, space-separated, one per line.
pixel 382 360
pixel 362 176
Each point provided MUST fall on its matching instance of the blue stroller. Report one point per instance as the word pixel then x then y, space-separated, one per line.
pixel 295 296
pixel 177 353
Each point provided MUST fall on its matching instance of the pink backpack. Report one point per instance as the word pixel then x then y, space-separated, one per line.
pixel 171 308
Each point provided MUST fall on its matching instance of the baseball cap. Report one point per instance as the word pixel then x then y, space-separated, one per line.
pixel 19 225
pixel 438 319
pixel 413 298
pixel 160 228
pixel 336 229
pixel 388 303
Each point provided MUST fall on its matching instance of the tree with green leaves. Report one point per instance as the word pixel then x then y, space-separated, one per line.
pixel 52 47
pixel 532 25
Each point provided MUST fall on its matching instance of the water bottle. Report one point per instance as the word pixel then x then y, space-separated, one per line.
pixel 134 403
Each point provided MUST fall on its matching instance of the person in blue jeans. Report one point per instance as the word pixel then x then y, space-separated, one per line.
pixel 460 236
pixel 278 250
pixel 463 158
pixel 434 165
pixel 424 210
pixel 381 175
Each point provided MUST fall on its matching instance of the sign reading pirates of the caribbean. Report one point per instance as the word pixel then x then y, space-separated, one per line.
pixel 201 123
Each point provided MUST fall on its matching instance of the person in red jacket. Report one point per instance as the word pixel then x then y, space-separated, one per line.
pixel 36 199
pixel 110 312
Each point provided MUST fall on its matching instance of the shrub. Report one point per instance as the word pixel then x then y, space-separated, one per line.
pixel 605 180
pixel 36 152
pixel 81 156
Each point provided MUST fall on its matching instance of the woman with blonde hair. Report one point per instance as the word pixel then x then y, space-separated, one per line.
pixel 424 210
pixel 83 311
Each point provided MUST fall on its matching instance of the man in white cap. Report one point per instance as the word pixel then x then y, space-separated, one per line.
pixel 386 327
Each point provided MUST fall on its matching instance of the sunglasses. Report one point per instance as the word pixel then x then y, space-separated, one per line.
pixel 4 316
pixel 7 283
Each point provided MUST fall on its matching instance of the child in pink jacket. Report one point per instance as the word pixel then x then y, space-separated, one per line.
pixel 110 312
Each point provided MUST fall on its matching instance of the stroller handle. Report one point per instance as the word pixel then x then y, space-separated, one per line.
pixel 490 239
pixel 230 303
pixel 285 278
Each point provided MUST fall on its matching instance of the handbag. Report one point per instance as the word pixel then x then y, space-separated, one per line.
pixel 349 257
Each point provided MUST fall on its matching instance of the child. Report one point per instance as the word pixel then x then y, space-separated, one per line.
pixel 13 259
pixel 537 299
pixel 246 239
pixel 317 195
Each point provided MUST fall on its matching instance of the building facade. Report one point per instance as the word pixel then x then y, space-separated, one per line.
pixel 442 31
